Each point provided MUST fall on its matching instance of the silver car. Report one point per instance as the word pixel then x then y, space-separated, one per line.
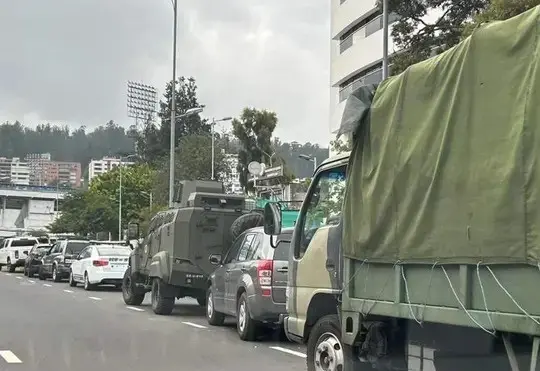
pixel 250 283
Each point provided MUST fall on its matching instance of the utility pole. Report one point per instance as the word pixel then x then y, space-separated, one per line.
pixel 173 110
pixel 385 39
pixel 120 203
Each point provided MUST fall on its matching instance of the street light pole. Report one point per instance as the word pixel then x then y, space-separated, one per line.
pixel 385 40
pixel 213 142
pixel 173 109
pixel 120 203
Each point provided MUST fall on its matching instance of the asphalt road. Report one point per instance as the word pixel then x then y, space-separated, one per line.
pixel 51 326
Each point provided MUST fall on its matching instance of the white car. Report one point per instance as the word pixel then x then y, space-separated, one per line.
pixel 100 265
pixel 14 251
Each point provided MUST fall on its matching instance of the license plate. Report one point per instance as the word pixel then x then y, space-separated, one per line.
pixel 68 261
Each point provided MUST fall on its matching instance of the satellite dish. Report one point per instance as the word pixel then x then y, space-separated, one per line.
pixel 254 168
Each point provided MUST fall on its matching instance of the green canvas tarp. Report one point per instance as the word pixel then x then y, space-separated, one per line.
pixel 445 165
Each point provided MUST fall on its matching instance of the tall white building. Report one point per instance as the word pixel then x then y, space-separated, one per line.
pixel 356 50
pixel 98 167
pixel 20 172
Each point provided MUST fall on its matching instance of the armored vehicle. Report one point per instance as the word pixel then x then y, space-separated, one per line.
pixel 174 258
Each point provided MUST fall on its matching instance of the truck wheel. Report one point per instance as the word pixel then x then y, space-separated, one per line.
pixel 55 276
pixel 160 304
pixel 324 348
pixel 245 325
pixel 214 318
pixel 129 291
pixel 245 222
pixel 41 275
pixel 10 268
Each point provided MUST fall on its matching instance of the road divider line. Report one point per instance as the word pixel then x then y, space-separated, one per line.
pixel 19 278
pixel 31 281
pixel 136 309
pixel 47 285
pixel 194 325
pixel 68 291
pixel 7 274
pixel 289 351
pixel 9 356
pixel 94 298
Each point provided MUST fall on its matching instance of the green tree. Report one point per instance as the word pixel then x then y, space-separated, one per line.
pixel 193 162
pixel 417 38
pixel 153 142
pixel 341 145
pixel 499 10
pixel 96 209
pixel 254 129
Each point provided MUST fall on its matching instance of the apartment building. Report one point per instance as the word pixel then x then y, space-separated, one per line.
pixel 62 172
pixel 356 50
pixel 37 163
pixel 98 167
pixel 14 171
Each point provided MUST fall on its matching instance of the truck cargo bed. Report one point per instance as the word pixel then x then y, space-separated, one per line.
pixel 445 293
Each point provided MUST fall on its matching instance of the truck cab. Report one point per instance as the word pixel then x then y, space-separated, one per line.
pixel 314 281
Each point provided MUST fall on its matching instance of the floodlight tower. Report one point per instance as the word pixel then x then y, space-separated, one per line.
pixel 141 101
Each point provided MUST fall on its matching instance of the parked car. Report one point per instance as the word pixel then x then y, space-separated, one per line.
pixel 100 265
pixel 250 283
pixel 33 260
pixel 57 261
pixel 14 251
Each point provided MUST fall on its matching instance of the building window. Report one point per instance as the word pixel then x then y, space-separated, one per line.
pixel 372 75
pixel 363 29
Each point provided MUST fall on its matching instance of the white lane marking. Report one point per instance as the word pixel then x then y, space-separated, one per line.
pixel 9 356
pixel 289 351
pixel 7 274
pixel 136 309
pixel 194 325
pixel 69 291
pixel 47 285
pixel 94 298
pixel 19 278
pixel 31 281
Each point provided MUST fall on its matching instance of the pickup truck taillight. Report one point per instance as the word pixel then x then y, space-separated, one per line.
pixel 16 254
pixel 264 274
pixel 100 263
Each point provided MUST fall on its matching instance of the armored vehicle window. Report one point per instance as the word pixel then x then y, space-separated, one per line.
pixel 233 251
pixel 246 247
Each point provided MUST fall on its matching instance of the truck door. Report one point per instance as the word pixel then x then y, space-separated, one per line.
pixel 315 264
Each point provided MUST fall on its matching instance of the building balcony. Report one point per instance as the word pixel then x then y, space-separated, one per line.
pixel 347 13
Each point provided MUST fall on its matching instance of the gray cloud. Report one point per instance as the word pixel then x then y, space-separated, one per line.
pixel 68 61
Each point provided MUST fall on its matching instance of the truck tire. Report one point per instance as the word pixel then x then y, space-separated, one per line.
pixel 324 347
pixel 161 305
pixel 10 268
pixel 129 291
pixel 245 222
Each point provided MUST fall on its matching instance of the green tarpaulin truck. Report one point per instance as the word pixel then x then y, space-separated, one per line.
pixel 420 250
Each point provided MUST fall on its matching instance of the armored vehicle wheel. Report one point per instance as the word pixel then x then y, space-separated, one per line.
pixel 160 304
pixel 129 292
pixel 245 222
pixel 202 301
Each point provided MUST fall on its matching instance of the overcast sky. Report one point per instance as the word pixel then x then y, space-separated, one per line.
pixel 68 61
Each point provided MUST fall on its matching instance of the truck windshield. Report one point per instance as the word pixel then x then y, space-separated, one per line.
pixel 324 205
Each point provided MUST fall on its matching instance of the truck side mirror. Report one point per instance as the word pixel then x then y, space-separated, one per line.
pixel 133 231
pixel 272 219
pixel 215 259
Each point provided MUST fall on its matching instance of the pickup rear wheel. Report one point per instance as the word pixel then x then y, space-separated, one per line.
pixel 324 347
pixel 129 290
pixel 160 304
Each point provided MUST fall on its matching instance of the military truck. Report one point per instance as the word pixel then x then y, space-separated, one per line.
pixel 174 259
pixel 420 250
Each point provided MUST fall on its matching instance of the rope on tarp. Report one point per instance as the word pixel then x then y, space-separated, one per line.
pixel 492 332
